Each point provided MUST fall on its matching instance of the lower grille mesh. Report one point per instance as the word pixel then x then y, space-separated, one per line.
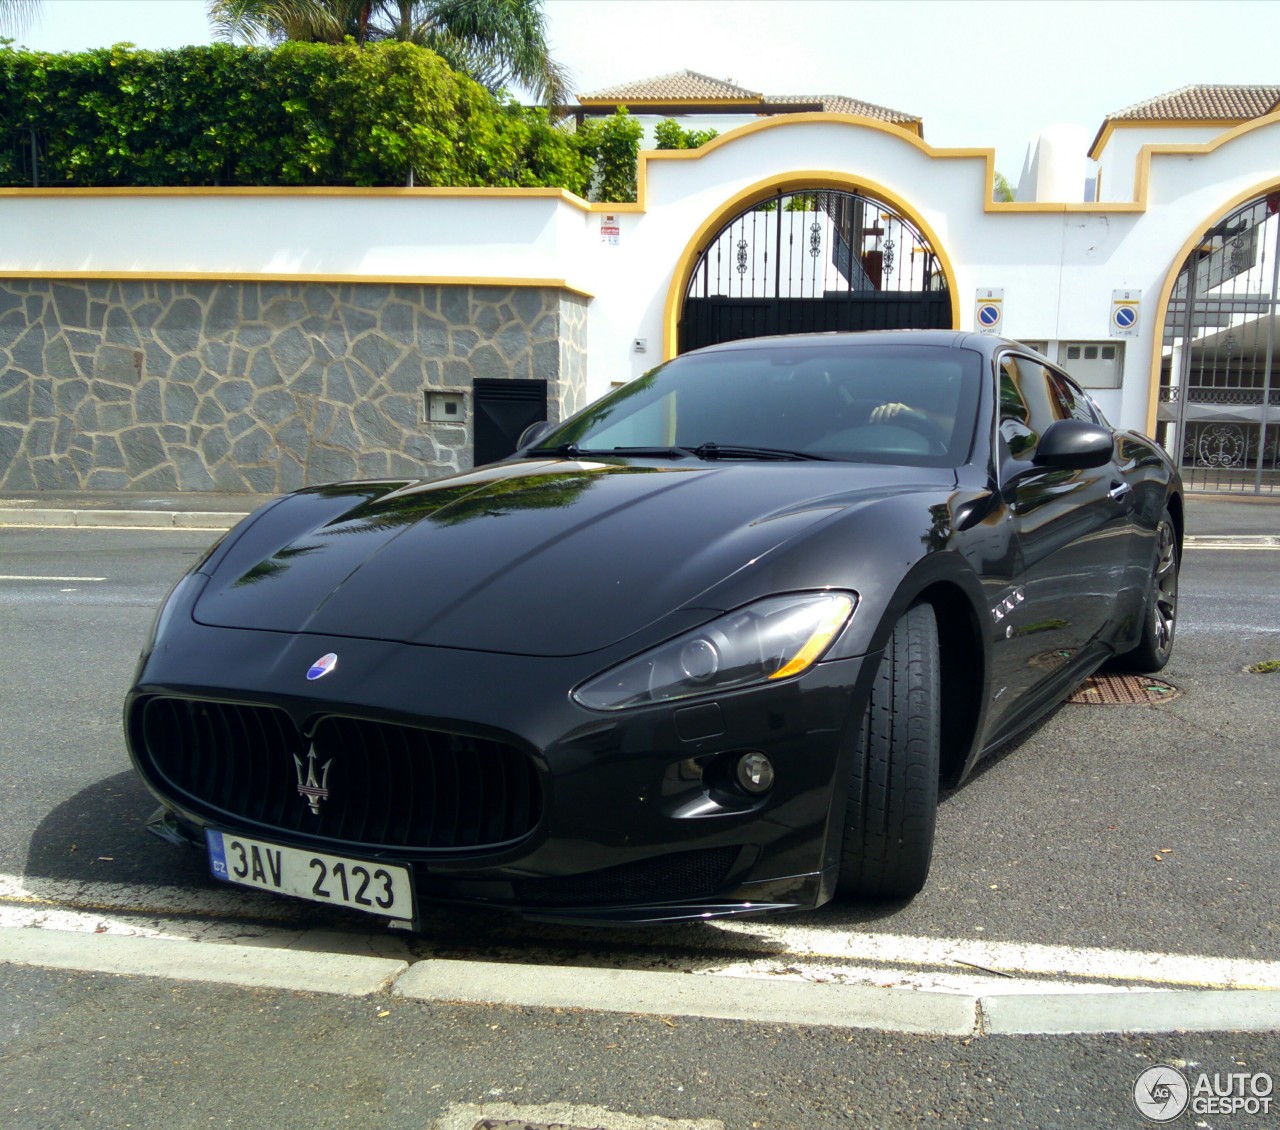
pixel 366 783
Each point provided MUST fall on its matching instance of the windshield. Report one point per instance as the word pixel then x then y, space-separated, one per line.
pixel 900 403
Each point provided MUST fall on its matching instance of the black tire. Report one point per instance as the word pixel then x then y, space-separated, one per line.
pixel 1160 615
pixel 893 786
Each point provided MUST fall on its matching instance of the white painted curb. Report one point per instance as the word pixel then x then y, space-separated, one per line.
pixel 120 519
pixel 716 996
pixel 248 966
pixel 689 994
pixel 1231 541
pixel 1193 1010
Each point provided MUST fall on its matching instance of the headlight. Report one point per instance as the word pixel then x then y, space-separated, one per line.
pixel 771 639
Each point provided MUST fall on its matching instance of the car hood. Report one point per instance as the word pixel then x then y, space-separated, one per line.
pixel 541 558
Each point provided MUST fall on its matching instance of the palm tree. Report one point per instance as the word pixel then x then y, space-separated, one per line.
pixel 495 41
pixel 17 15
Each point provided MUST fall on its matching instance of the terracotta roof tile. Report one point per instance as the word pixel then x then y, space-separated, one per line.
pixel 1204 102
pixel 677 87
pixel 686 86
pixel 839 104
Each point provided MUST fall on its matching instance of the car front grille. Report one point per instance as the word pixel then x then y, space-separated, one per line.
pixel 373 784
pixel 680 875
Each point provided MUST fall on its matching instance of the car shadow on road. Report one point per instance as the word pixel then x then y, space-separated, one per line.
pixel 99 835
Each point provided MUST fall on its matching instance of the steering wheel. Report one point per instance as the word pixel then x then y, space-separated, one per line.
pixel 904 416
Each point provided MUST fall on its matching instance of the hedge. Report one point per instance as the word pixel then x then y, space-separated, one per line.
pixel 297 114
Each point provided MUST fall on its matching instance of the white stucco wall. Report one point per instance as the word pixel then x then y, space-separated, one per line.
pixel 370 233
pixel 1118 160
pixel 1058 264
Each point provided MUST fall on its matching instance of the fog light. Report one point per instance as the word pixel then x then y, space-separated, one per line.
pixel 755 773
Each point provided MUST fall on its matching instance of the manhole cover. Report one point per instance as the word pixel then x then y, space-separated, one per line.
pixel 1122 690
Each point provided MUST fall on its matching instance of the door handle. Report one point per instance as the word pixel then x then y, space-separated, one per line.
pixel 1118 491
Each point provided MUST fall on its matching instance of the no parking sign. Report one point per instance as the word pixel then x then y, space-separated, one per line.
pixel 1125 309
pixel 988 310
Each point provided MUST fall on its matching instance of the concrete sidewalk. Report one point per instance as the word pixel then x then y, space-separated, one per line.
pixel 1211 518
pixel 181 510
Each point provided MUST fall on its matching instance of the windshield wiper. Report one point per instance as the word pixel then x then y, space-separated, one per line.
pixel 739 451
pixel 671 451
pixel 572 450
pixel 705 451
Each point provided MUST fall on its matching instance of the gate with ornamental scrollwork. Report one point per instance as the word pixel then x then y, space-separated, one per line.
pixel 811 260
pixel 1220 376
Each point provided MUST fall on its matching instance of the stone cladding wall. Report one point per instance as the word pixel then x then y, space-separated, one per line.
pixel 260 386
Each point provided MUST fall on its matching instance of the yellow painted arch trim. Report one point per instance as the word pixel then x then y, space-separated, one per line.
pixel 1142 169
pixel 304 191
pixel 904 132
pixel 1110 126
pixel 1171 279
pixel 286 276
pixel 907 132
pixel 804 180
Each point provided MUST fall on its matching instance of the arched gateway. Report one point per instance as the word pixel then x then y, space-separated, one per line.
pixel 1219 401
pixel 815 259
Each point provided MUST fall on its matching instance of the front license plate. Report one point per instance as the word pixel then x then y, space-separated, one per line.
pixel 377 888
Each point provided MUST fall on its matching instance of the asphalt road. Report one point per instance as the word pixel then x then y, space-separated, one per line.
pixel 1052 842
pixel 98 1051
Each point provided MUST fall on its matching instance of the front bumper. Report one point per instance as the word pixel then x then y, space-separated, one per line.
pixel 641 819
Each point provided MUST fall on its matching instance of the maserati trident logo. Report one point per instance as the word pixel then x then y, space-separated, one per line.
pixel 321 667
pixel 313 790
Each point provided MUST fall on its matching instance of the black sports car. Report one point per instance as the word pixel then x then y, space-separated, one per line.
pixel 711 646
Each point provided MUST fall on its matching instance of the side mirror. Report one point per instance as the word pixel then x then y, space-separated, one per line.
pixel 1073 445
pixel 532 434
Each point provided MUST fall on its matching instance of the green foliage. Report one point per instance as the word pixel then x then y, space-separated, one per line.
pixel 494 41
pixel 298 114
pixel 613 145
pixel 802 202
pixel 1001 189
pixel 669 134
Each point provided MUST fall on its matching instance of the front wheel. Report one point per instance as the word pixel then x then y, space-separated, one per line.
pixel 1160 618
pixel 893 786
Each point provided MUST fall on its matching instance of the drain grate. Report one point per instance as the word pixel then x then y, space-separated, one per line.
pixel 1123 690
pixel 521 1124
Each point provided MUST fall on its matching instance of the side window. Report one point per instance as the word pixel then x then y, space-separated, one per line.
pixel 1038 392
pixel 1016 427
pixel 1071 400
pixel 1030 400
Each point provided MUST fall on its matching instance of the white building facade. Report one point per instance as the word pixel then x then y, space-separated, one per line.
pixel 224 339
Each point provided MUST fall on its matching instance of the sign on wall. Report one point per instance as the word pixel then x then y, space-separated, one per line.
pixel 610 229
pixel 988 310
pixel 1125 308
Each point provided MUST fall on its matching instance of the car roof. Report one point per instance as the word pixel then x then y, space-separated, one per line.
pixel 953 339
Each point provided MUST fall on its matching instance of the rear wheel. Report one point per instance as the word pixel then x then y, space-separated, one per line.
pixel 1160 620
pixel 893 786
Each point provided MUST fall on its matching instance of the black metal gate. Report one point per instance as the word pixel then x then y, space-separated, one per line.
pixel 503 409
pixel 1219 389
pixel 802 262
